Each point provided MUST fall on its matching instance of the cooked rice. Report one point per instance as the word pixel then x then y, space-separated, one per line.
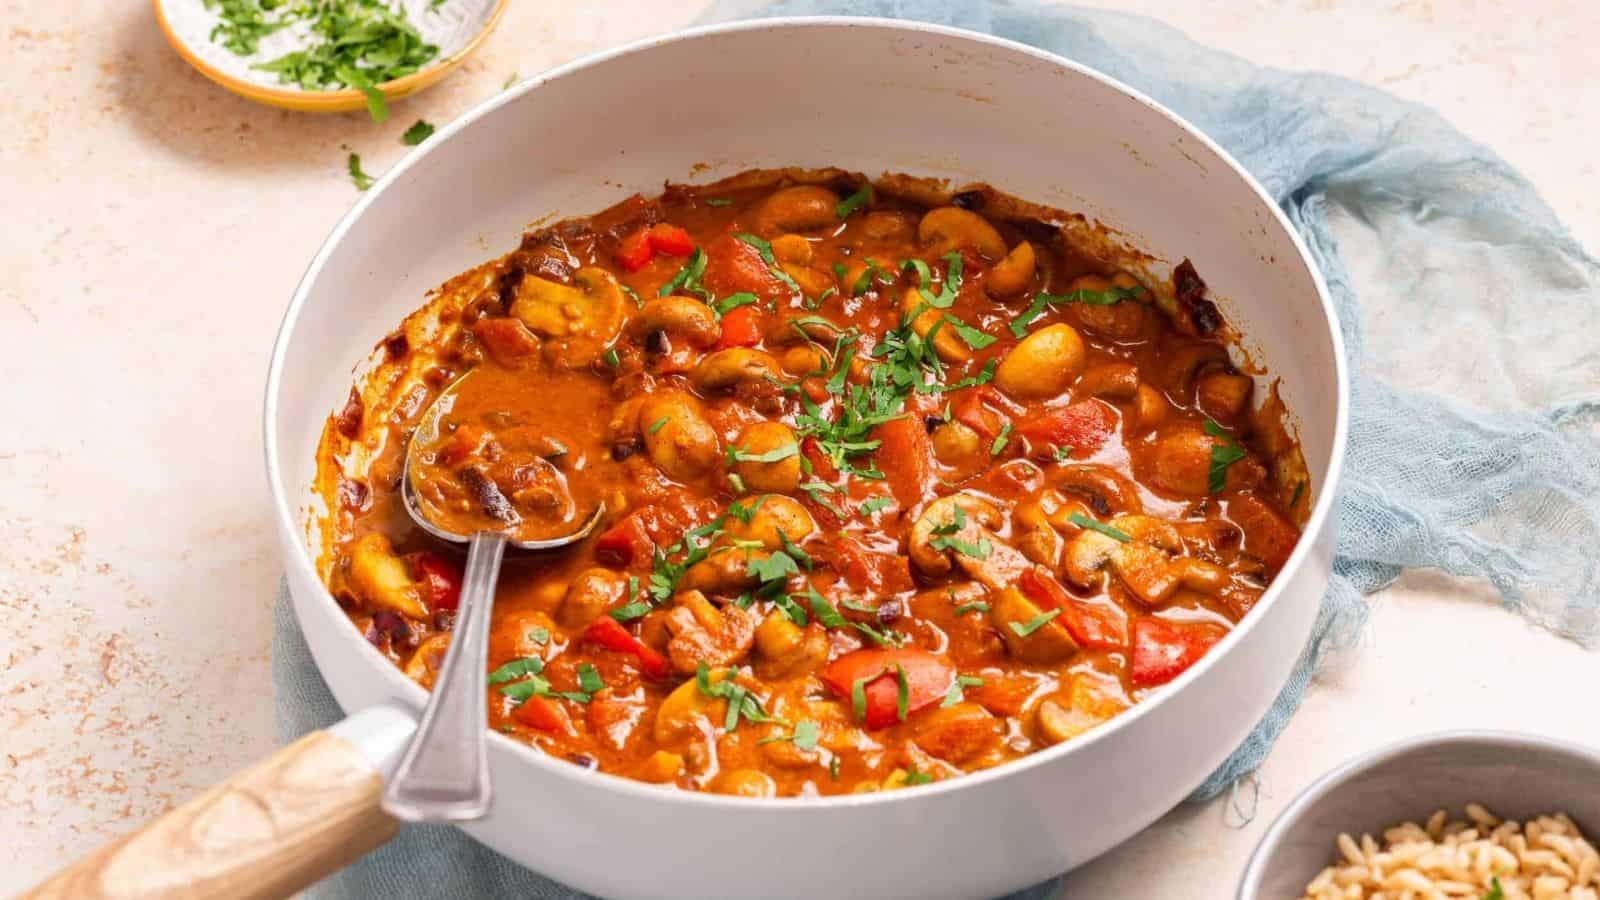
pixel 1547 858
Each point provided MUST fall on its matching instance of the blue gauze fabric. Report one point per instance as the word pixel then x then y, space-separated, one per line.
pixel 1472 341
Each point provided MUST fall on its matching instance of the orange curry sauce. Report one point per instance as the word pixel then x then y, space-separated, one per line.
pixel 901 483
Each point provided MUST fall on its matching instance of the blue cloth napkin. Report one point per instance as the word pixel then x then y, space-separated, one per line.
pixel 1470 315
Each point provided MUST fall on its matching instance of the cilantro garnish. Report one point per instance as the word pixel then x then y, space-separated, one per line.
pixel 733 301
pixel 974 337
pixel 804 736
pixel 658 424
pixel 540 635
pixel 1495 892
pixel 362 179
pixel 517 668
pixel 719 201
pixel 688 278
pixel 777 566
pixel 1000 440
pixel 1034 624
pixel 740 701
pixel 853 202
pixel 824 611
pixel 873 504
pixel 1019 325
pixel 1299 488
pixel 955 695
pixel 888 637
pixel 417 133
pixel 977 606
pixel 737 454
pixel 1083 521
pixel 589 679
pixel 1222 456
pixel 764 248
pixel 915 777
pixel 946 297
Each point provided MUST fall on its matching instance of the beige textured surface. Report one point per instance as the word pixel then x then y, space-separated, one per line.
pixel 156 227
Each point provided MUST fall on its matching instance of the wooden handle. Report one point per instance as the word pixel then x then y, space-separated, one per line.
pixel 306 811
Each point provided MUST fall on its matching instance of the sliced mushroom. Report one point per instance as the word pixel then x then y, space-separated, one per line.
pixel 724 573
pixel 1117 381
pixel 733 366
pixel 703 633
pixel 951 227
pixel 1147 563
pixel 1043 364
pixel 1089 702
pixel 1180 462
pixel 774 518
pixel 946 343
pixel 957 518
pixel 682 317
pixel 804 207
pixel 760 463
pixel 1012 275
pixel 784 649
pixel 1149 408
pixel 582 319
pixel 380 579
pixel 1105 489
pixel 589 595
pixel 677 436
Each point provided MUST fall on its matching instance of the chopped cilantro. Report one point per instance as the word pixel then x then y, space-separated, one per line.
pixel 764 248
pixel 611 358
pixel 540 635
pixel 977 606
pixel 417 133
pixel 1019 325
pixel 885 638
pixel 822 609
pixel 854 202
pixel 915 777
pixel 1299 488
pixel 804 736
pixel 857 605
pixel 719 201
pixel 777 566
pixel 589 679
pixel 688 278
pixel 833 768
pixel 1034 624
pixel 955 695
pixel 1000 440
pixel 632 295
pixel 362 179
pixel 973 337
pixel 902 693
pixel 734 301
pixel 517 668
pixel 630 611
pixel 740 701
pixel 1083 521
pixel 658 424
pixel 873 504
pixel 1495 892
pixel 946 297
pixel 1223 455
pixel 782 451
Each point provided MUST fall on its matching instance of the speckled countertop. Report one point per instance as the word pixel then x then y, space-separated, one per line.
pixel 155 227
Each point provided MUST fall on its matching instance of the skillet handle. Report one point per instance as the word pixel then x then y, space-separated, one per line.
pixel 305 811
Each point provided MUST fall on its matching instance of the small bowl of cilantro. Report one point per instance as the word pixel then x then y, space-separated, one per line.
pixel 327 55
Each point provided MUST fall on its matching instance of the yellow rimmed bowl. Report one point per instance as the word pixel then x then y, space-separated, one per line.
pixel 481 18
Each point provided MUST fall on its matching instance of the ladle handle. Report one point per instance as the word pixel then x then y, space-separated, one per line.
pixel 444 774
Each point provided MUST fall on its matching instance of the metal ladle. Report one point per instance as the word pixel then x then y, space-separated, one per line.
pixel 444 774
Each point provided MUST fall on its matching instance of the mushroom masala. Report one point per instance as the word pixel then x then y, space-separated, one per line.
pixel 901 482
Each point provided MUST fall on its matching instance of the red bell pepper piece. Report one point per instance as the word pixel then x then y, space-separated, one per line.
pixel 609 633
pixel 544 714
pixel 927 680
pixel 906 458
pixel 635 251
pixel 1162 650
pixel 739 328
pixel 969 410
pixel 624 543
pixel 439 578
pixel 1084 425
pixel 670 240
pixel 1091 626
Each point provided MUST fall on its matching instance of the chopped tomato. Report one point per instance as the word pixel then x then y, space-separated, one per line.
pixel 440 579
pixel 1091 626
pixel 507 340
pixel 544 714
pixel 906 458
pixel 1162 650
pixel 968 408
pixel 739 328
pixel 926 680
pixel 670 240
pixel 733 266
pixel 1084 425
pixel 821 465
pixel 624 543
pixel 609 633
pixel 1267 534
pixel 635 251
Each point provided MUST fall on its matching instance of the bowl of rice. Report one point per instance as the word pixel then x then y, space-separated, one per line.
pixel 326 55
pixel 1467 814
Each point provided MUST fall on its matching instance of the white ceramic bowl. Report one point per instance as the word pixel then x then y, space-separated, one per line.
pixel 872 96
